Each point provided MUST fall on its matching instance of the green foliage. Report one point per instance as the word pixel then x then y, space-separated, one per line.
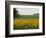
pixel 27 16
pixel 18 27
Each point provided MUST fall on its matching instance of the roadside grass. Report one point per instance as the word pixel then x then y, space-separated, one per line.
pixel 19 27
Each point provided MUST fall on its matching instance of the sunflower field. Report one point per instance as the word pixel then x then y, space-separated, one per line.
pixel 26 23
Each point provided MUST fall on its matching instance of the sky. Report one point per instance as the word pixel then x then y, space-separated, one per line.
pixel 27 11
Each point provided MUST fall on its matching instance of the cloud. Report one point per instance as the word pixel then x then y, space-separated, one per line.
pixel 27 11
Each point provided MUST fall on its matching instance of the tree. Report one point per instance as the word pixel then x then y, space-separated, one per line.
pixel 15 12
pixel 36 14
